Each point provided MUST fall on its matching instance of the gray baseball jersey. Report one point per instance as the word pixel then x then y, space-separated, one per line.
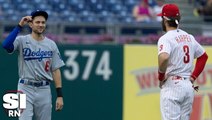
pixel 37 59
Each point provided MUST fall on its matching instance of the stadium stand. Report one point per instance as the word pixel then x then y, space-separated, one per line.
pixel 72 10
pixel 95 21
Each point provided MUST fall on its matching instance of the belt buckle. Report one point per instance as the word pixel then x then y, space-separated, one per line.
pixel 30 83
pixel 35 84
pixel 38 84
pixel 26 82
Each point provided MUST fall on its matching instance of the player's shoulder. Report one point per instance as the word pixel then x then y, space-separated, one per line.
pixel 190 35
pixel 49 40
pixel 172 34
pixel 164 38
pixel 22 36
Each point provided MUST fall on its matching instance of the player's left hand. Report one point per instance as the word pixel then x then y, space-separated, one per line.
pixel 59 104
pixel 196 88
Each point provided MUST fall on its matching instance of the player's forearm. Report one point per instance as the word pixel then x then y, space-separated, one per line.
pixel 162 70
pixel 163 66
pixel 58 82
pixel 8 42
pixel 57 78
pixel 200 64
pixel 163 62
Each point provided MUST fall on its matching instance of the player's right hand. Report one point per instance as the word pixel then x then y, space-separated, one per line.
pixel 25 20
pixel 161 83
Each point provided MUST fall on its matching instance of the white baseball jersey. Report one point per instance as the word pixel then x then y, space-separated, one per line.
pixel 177 94
pixel 182 49
pixel 37 59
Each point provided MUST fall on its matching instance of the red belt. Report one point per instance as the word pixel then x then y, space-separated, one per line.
pixel 177 78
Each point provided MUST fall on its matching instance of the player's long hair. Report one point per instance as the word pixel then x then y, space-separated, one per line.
pixel 172 22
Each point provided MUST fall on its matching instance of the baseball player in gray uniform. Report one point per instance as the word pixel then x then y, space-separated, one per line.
pixel 39 62
pixel 176 53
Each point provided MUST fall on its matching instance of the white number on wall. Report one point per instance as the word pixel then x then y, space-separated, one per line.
pixel 73 69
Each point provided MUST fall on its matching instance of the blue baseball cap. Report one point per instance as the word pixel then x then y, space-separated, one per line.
pixel 39 13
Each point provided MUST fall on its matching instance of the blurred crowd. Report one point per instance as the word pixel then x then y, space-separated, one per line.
pixel 203 8
pixel 93 11
pixel 86 11
pixel 1 13
pixel 103 11
pixel 107 11
pixel 147 10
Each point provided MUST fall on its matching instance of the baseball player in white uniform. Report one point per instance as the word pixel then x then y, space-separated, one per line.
pixel 39 62
pixel 176 53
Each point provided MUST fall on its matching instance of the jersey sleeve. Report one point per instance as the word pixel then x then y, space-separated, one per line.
pixel 198 49
pixel 163 46
pixel 16 44
pixel 57 61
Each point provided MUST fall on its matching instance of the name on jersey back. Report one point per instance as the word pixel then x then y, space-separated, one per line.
pixel 183 38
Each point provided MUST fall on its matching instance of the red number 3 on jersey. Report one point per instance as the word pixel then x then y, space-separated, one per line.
pixel 47 66
pixel 186 58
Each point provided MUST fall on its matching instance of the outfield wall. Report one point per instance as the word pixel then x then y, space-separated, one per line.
pixel 141 91
pixel 110 82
